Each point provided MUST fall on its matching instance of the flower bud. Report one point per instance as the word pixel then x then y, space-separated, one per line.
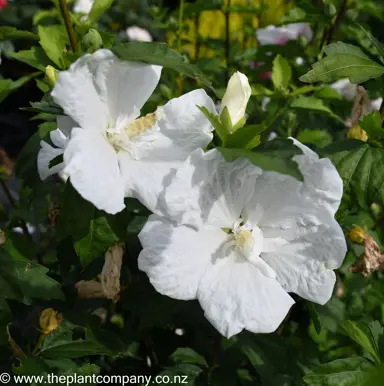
pixel 92 41
pixel 357 235
pixel 49 320
pixel 51 75
pixel 236 97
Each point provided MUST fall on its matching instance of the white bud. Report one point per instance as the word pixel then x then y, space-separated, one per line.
pixel 236 96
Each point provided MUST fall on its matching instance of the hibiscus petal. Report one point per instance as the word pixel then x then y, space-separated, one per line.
pixel 281 195
pixel 92 165
pixel 208 189
pixel 176 258
pixel 77 93
pixel 235 295
pixel 129 85
pixel 46 154
pixel 147 180
pixel 185 125
pixel 304 265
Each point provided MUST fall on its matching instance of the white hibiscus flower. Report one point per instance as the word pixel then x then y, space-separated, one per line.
pixel 281 35
pixel 108 152
pixel 243 238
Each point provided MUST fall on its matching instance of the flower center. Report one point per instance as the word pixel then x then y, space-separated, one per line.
pixel 132 136
pixel 139 126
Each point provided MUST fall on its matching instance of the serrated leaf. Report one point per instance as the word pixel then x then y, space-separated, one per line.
pixel 53 40
pixel 371 123
pixel 281 73
pixel 23 279
pixel 343 61
pixel 162 55
pixel 99 7
pixel 313 104
pixel 361 169
pixel 220 129
pixel 275 155
pixel 341 372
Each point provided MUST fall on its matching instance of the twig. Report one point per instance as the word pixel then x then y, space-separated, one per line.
pixel 68 24
pixel 337 21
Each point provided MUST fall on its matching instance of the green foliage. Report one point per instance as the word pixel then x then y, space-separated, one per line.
pixel 275 156
pixel 281 73
pixel 343 61
pixel 160 54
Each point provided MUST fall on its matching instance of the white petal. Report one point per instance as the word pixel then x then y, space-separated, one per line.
pixel 280 195
pixel 77 92
pixel 184 125
pixel 176 258
pixel 83 6
pixel 206 189
pixel 345 88
pixel 92 165
pixel 66 124
pixel 236 96
pixel 136 33
pixel 300 29
pixel 46 154
pixel 272 35
pixel 147 180
pixel 235 295
pixel 129 85
pixel 304 265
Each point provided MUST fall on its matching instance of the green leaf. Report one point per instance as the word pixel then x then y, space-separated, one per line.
pixel 281 73
pixel 99 238
pixel 53 40
pixel 89 229
pixel 99 7
pixel 187 355
pixel 220 129
pixel 35 57
pixel 371 123
pixel 343 61
pixel 273 155
pixel 12 33
pixel 22 279
pixel 75 349
pixel 245 137
pixel 162 55
pixel 314 104
pixel 360 167
pixel 7 86
pixel 341 372
pixel 366 335
pixel 319 138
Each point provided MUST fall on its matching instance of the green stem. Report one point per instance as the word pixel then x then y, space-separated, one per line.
pixel 227 40
pixel 68 25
